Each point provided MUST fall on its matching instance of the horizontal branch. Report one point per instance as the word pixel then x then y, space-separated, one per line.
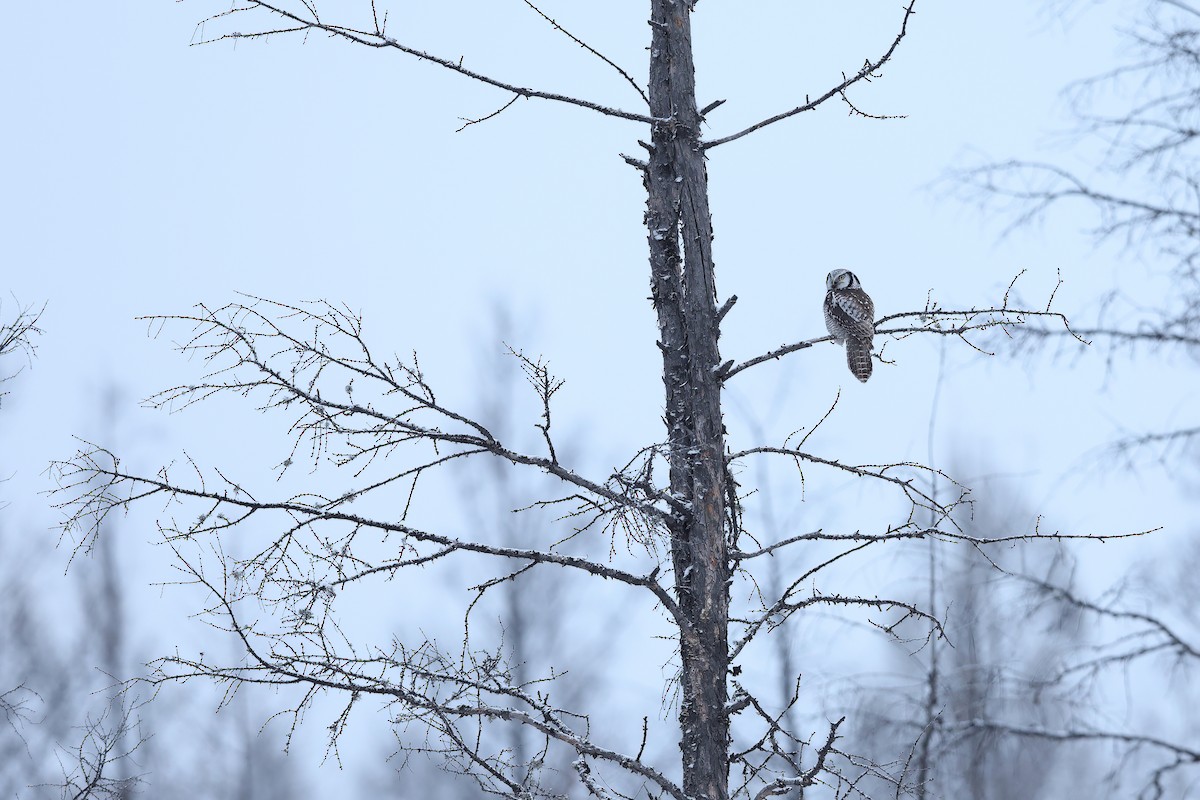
pixel 770 617
pixel 234 332
pixel 96 499
pixel 1069 735
pixel 1060 184
pixel 287 666
pixel 1182 436
pixel 379 39
pixel 932 320
pixel 877 471
pixel 821 536
pixel 785 606
pixel 1156 625
pixel 922 533
pixel 732 368
pixel 1148 335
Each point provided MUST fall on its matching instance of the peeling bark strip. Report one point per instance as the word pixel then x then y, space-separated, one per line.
pixel 683 289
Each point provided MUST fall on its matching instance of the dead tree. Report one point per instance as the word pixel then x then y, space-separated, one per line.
pixel 380 420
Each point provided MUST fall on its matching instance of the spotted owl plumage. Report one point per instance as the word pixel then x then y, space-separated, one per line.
pixel 850 318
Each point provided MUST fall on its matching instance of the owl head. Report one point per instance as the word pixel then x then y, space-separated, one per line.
pixel 841 279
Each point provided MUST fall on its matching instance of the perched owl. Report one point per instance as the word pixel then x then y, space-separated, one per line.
pixel 850 318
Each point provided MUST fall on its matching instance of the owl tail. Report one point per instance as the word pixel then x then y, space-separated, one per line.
pixel 858 356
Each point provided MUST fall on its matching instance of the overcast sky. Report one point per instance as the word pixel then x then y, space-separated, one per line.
pixel 142 175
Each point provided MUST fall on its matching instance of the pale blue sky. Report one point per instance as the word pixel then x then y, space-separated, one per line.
pixel 142 175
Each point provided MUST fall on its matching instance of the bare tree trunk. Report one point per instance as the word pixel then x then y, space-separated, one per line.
pixel 680 229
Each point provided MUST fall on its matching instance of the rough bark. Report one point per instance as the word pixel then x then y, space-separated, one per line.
pixel 682 282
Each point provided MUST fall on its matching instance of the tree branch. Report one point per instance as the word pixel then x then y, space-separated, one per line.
pixel 379 39
pixel 866 73
pixel 785 785
pixel 234 332
pixel 95 500
pixel 593 51
pixel 932 320
pixel 430 692
pixel 17 337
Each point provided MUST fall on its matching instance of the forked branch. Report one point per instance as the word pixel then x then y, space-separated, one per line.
pixel 17 335
pixel 620 71
pixel 421 684
pixel 377 37
pixel 809 776
pixel 869 70
pixel 930 320
pixel 252 349
pixel 96 487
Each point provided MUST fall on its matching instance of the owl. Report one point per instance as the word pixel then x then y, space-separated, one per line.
pixel 850 318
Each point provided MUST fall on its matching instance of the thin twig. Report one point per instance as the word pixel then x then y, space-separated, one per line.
pixel 868 71
pixel 380 40
pixel 469 122
pixel 593 51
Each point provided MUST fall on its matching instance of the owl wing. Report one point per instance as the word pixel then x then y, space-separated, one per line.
pixel 852 311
